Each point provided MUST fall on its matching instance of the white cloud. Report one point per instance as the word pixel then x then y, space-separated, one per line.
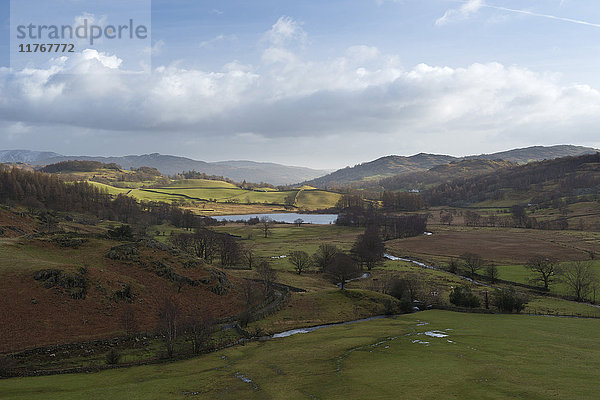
pixel 299 98
pixel 466 10
pixel 285 31
pixel 217 39
pixel 90 19
pixel 361 97
pixel 157 48
pixel 108 61
pixel 362 53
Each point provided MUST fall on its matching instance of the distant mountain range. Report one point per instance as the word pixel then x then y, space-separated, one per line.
pixel 249 171
pixel 536 153
pixel 390 166
pixel 25 156
pixel 277 174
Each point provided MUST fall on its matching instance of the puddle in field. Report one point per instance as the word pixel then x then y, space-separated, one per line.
pixel 243 378
pixel 314 328
pixel 373 347
pixel 437 334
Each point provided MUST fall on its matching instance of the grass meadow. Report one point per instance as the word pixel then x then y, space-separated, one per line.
pixel 428 355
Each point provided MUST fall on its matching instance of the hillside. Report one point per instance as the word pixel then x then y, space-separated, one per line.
pixel 442 173
pixel 569 179
pixel 65 287
pixel 380 168
pixel 25 156
pixel 212 196
pixel 536 153
pixel 250 171
pixel 399 165
pixel 209 196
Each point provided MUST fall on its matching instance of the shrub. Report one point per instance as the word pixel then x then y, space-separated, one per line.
pixel 509 300
pixel 68 241
pixel 7 365
pixel 124 252
pixel 74 284
pixel 122 233
pixel 453 266
pixel 463 297
pixel 403 291
pixel 113 357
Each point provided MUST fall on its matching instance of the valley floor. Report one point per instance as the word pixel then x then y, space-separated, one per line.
pixel 427 355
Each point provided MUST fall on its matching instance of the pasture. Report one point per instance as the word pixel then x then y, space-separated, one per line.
pixel 212 197
pixel 428 355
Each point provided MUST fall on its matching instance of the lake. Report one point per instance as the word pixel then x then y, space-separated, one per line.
pixel 288 218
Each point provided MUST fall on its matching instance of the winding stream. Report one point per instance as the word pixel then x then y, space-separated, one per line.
pixel 314 328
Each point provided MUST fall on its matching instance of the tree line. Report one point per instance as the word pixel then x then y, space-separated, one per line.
pixel 38 190
pixel 78 166
pixel 572 176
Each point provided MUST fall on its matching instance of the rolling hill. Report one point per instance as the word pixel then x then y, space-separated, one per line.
pixel 567 179
pixel 249 171
pixel 536 153
pixel 380 168
pixel 399 165
pixel 442 173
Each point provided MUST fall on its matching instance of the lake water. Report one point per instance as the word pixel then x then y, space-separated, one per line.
pixel 288 218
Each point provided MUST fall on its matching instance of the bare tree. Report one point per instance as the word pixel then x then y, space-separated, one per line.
pixel 342 268
pixel 249 292
pixel 473 263
pixel 453 266
pixel 580 277
pixel 369 247
pixel 230 251
pixel 491 272
pixel 199 328
pixel 301 261
pixel 248 255
pixel 324 255
pixel 128 320
pixel 543 269
pixel 267 274
pixel 265 225
pixel 169 321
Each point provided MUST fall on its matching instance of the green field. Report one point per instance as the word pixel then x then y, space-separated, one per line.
pixel 109 189
pixel 287 238
pixel 197 191
pixel 200 184
pixel 521 274
pixel 483 357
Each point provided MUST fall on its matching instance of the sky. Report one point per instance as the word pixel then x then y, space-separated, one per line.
pixel 320 84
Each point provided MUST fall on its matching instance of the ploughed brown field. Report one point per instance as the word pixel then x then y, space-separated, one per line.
pixel 500 245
